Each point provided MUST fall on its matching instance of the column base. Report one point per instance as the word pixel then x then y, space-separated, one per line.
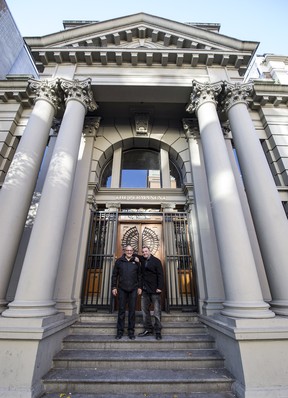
pixel 30 309
pixel 67 306
pixel 280 307
pixel 250 310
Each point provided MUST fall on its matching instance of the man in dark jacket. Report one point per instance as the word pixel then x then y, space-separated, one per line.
pixel 126 284
pixel 153 283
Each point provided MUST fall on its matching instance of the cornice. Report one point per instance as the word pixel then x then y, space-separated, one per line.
pixel 268 93
pixel 17 90
pixel 141 57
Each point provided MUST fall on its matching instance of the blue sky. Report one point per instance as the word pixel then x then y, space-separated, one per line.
pixel 262 21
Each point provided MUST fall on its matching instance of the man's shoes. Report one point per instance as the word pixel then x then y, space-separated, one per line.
pixel 118 336
pixel 158 336
pixel 145 333
pixel 131 336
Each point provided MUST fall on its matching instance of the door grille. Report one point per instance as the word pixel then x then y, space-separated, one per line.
pixel 180 280
pixel 99 261
pixel 180 291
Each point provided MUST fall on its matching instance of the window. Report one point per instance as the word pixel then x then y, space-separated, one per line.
pixel 140 168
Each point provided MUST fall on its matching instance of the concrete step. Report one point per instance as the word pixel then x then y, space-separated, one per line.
pixel 166 317
pixel 138 359
pixel 140 381
pixel 104 342
pixel 110 327
pixel 150 395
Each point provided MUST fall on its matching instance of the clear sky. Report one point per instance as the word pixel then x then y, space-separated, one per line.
pixel 263 21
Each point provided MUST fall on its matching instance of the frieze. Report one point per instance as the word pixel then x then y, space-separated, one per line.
pixel 141 197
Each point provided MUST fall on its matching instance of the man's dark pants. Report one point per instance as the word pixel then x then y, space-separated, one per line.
pixel 125 297
pixel 146 300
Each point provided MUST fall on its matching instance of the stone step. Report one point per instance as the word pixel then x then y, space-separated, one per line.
pixel 224 394
pixel 104 342
pixel 109 327
pixel 140 359
pixel 166 317
pixel 140 381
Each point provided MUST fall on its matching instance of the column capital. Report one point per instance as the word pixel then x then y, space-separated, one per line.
pixel 47 90
pixel 91 126
pixel 201 93
pixel 234 94
pixel 191 128
pixel 79 91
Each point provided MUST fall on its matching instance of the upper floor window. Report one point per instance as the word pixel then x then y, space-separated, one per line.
pixel 141 168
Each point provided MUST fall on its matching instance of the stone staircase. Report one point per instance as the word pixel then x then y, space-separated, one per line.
pixel 183 364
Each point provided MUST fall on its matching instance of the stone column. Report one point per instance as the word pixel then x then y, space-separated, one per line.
pixel 268 214
pixel 17 190
pixel 69 259
pixel 243 296
pixel 34 297
pixel 214 290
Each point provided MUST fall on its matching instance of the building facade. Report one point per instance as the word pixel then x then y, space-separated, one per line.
pixel 142 130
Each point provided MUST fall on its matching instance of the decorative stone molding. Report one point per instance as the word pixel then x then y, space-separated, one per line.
pixel 91 126
pixel 191 128
pixel 80 91
pixel 235 93
pixel 226 129
pixel 91 200
pixel 203 92
pixel 56 124
pixel 142 123
pixel 169 206
pixel 113 206
pixel 47 90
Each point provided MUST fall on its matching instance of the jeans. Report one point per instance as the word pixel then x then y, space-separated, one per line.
pixel 125 297
pixel 146 300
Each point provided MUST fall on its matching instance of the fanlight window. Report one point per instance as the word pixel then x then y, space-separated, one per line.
pixel 141 168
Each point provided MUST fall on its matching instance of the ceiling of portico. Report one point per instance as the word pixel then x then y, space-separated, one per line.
pixel 141 39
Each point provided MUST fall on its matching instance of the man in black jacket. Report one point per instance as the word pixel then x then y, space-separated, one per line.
pixel 153 283
pixel 126 283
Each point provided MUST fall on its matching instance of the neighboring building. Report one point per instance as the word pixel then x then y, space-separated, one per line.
pixel 15 57
pixel 130 136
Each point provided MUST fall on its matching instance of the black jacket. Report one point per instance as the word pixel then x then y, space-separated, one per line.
pixel 153 276
pixel 126 274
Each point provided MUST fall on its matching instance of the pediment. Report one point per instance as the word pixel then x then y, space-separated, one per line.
pixel 141 33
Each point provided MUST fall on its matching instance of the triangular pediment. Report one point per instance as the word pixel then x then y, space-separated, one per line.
pixel 141 32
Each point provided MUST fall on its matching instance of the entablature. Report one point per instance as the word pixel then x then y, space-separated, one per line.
pixel 139 56
pixel 269 93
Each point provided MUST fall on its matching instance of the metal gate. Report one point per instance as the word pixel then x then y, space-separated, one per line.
pixel 100 259
pixel 180 290
pixel 180 280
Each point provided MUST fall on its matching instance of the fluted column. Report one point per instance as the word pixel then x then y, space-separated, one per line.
pixel 17 190
pixel 34 295
pixel 243 296
pixel 268 214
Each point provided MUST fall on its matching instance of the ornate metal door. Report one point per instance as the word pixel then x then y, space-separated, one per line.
pixel 140 234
